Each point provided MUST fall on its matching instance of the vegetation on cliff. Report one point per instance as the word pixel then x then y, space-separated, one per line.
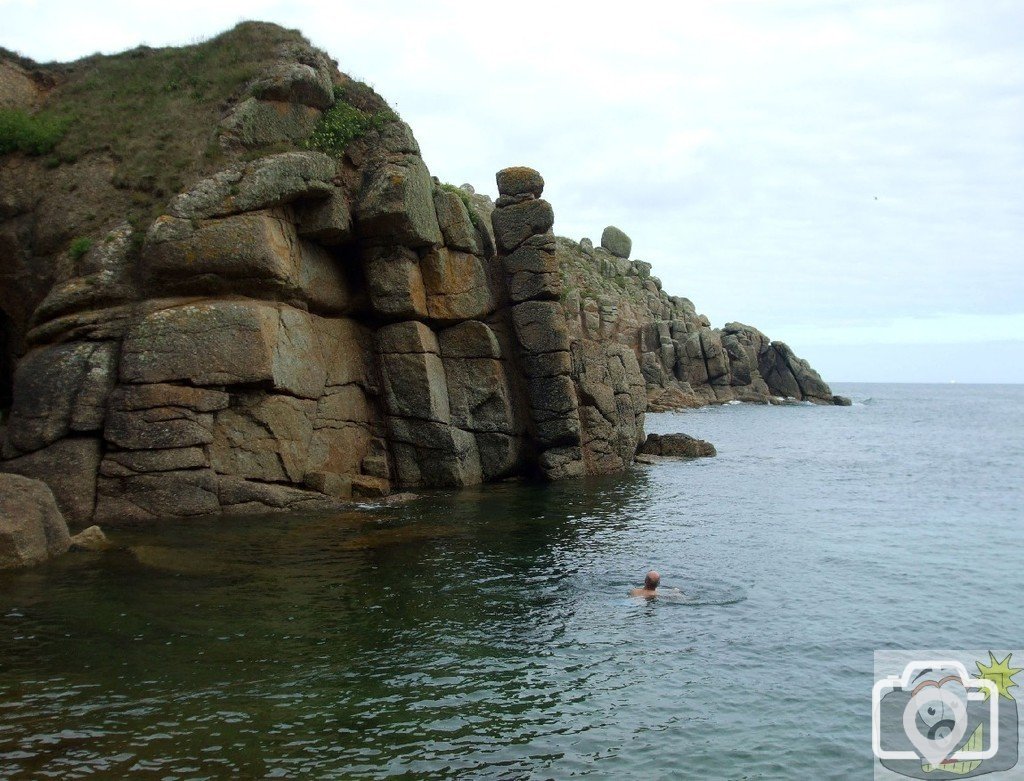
pixel 152 113
pixel 344 122
pixel 153 110
pixel 33 134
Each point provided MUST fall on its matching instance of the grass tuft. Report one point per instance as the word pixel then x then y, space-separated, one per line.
pixel 79 247
pixel 33 134
pixel 343 123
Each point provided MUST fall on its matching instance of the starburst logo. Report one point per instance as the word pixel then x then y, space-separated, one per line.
pixel 1000 673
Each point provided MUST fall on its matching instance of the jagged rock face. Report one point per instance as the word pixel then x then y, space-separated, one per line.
pixel 683 361
pixel 298 329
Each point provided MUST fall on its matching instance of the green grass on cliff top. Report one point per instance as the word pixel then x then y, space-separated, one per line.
pixel 155 110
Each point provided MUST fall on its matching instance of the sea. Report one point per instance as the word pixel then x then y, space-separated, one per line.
pixel 488 633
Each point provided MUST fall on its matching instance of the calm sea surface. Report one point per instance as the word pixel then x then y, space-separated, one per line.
pixel 487 633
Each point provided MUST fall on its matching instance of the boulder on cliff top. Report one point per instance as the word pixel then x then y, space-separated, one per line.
pixel 519 180
pixel 32 529
pixel 616 242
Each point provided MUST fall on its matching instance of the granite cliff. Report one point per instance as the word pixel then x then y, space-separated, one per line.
pixel 233 286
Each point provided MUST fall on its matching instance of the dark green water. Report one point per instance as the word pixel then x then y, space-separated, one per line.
pixel 487 634
pixel 427 637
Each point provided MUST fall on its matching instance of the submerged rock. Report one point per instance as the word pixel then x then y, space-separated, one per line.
pixel 91 539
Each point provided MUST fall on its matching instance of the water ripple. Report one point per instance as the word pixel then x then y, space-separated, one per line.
pixel 488 634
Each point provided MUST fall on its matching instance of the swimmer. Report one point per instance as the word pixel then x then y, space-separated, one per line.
pixel 650 586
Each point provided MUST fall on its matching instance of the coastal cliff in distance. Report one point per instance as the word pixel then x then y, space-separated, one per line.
pixel 230 284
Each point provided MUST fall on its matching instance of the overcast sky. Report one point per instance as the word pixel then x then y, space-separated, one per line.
pixel 846 176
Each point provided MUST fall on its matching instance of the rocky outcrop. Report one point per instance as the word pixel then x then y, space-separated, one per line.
pixel 297 329
pixel 32 529
pixel 585 399
pixel 676 446
pixel 522 229
pixel 683 360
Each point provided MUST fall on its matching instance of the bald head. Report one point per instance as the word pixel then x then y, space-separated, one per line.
pixel 652 580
